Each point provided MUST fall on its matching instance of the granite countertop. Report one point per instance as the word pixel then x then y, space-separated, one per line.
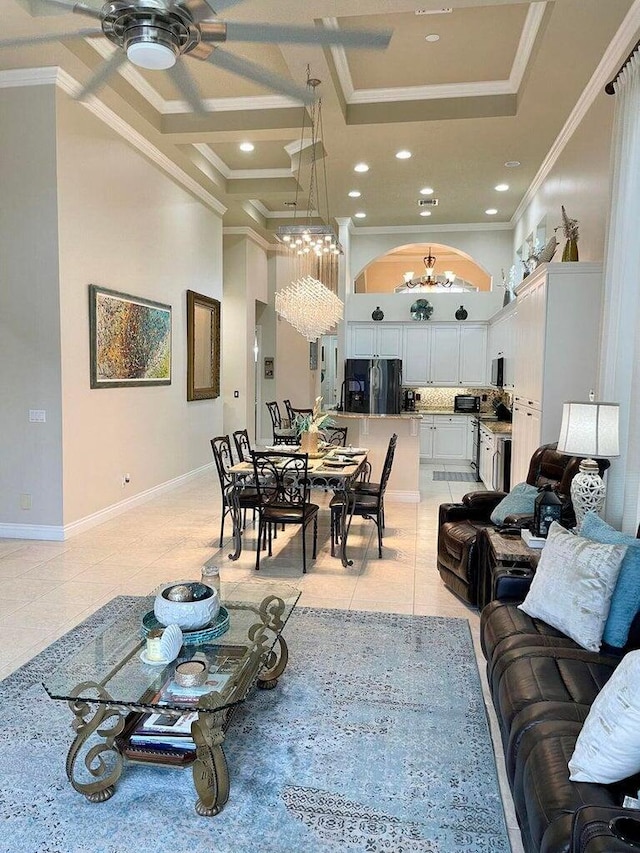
pixel 360 415
pixel 497 427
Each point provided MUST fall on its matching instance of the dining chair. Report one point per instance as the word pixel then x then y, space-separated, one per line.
pixel 243 445
pixel 334 436
pixel 248 497
pixel 290 415
pixel 368 503
pixel 282 483
pixel 281 434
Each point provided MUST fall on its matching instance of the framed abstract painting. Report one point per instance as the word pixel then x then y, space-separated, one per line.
pixel 130 340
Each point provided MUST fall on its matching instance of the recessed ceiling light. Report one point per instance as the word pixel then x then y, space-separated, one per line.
pixel 512 164
pixel 247 146
pixel 432 37
pixel 491 211
pixel 360 215
pixel 403 155
pixel 425 213
pixel 361 167
pixel 501 188
pixel 426 191
pixel 354 193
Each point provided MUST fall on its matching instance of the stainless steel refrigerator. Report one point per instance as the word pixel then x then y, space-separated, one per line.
pixel 373 386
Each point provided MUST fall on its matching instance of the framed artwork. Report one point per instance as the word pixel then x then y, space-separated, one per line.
pixel 129 340
pixel 268 368
pixel 313 355
pixel 203 347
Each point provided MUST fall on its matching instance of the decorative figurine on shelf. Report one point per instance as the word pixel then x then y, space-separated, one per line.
pixel 509 286
pixel 462 313
pixel 548 252
pixel 570 229
pixel 377 315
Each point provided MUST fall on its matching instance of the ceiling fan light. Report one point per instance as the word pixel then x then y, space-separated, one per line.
pixel 151 55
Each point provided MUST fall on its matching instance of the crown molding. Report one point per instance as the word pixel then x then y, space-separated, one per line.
pixel 54 75
pixel 245 231
pixel 224 105
pixel 281 214
pixel 238 174
pixel 438 91
pixel 607 66
pixel 428 229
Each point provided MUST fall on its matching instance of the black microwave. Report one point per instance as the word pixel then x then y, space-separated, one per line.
pixel 497 372
pixel 466 403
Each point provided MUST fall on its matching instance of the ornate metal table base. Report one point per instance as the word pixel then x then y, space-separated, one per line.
pixel 88 720
pixel 210 771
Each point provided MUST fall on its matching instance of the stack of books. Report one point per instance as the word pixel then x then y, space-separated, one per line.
pixel 162 738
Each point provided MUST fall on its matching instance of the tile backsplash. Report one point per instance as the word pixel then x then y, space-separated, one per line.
pixel 442 398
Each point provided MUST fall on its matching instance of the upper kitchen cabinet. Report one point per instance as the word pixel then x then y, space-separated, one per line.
pixel 375 340
pixel 501 341
pixel 445 355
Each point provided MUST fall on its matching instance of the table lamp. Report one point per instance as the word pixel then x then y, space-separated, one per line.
pixel 591 430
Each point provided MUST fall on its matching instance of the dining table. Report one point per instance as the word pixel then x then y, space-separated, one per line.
pixel 332 468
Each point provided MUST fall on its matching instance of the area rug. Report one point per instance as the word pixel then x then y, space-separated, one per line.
pixel 375 739
pixel 454 476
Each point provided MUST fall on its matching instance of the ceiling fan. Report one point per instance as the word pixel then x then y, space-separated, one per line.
pixel 154 34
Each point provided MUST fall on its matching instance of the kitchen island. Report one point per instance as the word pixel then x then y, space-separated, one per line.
pixel 374 432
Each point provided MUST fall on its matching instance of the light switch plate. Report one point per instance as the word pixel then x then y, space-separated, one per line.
pixel 37 416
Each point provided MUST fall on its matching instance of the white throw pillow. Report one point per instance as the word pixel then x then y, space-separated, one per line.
pixel 608 747
pixel 573 584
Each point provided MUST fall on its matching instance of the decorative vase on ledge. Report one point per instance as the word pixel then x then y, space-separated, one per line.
pixel 570 252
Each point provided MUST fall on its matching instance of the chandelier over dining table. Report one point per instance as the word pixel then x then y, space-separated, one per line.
pixel 310 303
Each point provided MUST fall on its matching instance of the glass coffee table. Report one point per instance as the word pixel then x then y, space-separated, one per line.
pixel 112 692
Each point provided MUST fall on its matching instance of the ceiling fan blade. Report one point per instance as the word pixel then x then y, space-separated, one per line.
pixel 275 33
pixel 203 9
pixel 76 8
pixel 187 85
pixel 43 39
pixel 102 74
pixel 252 71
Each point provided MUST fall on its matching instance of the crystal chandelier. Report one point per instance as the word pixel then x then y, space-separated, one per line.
pixel 310 302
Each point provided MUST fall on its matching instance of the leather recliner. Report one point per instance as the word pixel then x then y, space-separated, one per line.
pixel 459 523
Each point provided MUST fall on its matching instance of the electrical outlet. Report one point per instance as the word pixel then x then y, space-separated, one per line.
pixel 25 501
pixel 37 416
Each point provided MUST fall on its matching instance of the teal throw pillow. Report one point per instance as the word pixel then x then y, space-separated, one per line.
pixel 521 499
pixel 626 596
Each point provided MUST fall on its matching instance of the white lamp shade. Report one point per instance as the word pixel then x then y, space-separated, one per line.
pixel 589 429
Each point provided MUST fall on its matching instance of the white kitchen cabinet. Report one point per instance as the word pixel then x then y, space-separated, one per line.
pixel 557 331
pixel 526 438
pixel 501 342
pixel 444 437
pixel 444 354
pixel 376 340
pixel 473 356
pixel 487 456
pixel 416 355
pixel 450 437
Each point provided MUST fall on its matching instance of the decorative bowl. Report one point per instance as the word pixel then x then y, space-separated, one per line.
pixel 187 615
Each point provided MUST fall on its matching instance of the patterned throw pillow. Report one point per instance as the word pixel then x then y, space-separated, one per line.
pixel 573 584
pixel 521 499
pixel 608 746
pixel 626 596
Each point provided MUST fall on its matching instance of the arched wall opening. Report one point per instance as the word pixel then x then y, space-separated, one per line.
pixel 387 272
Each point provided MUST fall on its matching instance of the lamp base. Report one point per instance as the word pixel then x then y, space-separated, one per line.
pixel 587 491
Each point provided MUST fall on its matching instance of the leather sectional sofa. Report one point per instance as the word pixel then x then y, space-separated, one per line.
pixel 542 685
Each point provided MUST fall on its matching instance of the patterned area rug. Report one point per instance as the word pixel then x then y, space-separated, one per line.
pixel 454 476
pixel 375 739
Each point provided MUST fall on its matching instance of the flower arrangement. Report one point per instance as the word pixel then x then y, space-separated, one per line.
pixel 314 421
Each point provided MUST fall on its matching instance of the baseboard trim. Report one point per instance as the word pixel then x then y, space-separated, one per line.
pixel 403 497
pixel 60 534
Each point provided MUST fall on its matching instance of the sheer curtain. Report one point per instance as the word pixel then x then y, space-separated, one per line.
pixel 620 361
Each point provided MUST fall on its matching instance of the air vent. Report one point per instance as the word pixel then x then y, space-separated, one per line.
pixel 444 11
pixel 428 202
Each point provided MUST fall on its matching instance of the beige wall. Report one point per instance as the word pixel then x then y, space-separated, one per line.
pixel 31 458
pixel 579 180
pixel 126 226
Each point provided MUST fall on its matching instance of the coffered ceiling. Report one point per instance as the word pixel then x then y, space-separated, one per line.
pixel 497 85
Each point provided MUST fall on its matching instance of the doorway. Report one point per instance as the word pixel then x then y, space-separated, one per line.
pixel 329 371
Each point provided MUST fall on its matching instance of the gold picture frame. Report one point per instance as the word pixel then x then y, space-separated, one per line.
pixel 203 347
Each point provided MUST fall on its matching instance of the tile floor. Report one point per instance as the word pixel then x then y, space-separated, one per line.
pixel 49 587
